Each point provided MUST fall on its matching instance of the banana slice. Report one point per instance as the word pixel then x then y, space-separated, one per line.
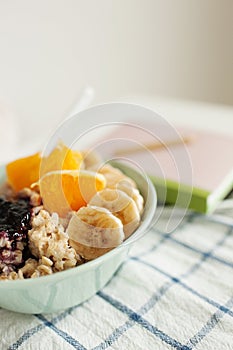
pixel 114 176
pixel 121 205
pixel 94 231
pixel 117 180
pixel 132 192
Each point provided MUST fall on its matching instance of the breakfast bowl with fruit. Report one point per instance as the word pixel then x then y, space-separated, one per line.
pixel 67 222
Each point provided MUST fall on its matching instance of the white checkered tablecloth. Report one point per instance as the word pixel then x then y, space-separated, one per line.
pixel 174 291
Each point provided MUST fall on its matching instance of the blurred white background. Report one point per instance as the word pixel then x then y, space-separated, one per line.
pixel 52 49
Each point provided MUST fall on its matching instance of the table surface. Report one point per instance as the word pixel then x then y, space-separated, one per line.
pixel 174 291
pixel 197 114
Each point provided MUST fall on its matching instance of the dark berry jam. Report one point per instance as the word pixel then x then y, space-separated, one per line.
pixel 15 219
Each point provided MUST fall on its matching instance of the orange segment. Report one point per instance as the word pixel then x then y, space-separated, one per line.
pixel 23 172
pixel 66 190
pixel 61 158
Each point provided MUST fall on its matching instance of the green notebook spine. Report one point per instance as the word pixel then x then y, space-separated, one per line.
pixel 185 196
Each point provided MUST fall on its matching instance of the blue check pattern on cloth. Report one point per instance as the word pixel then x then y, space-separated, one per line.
pixel 174 292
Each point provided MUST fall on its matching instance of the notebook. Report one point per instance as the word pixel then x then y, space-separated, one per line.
pixel 197 173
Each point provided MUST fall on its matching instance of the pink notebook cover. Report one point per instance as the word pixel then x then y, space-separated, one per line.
pixel 204 162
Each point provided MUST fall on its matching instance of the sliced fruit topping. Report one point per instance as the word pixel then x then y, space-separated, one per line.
pixel 61 158
pixel 23 172
pixel 121 205
pixel 93 231
pixel 66 190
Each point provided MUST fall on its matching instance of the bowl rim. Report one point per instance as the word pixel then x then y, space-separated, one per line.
pixel 151 205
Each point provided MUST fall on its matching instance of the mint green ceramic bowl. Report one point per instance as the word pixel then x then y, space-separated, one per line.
pixel 64 289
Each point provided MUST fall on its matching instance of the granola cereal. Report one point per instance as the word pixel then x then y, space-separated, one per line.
pixel 48 240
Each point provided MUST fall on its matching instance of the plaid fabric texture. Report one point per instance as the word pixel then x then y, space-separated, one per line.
pixel 174 292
